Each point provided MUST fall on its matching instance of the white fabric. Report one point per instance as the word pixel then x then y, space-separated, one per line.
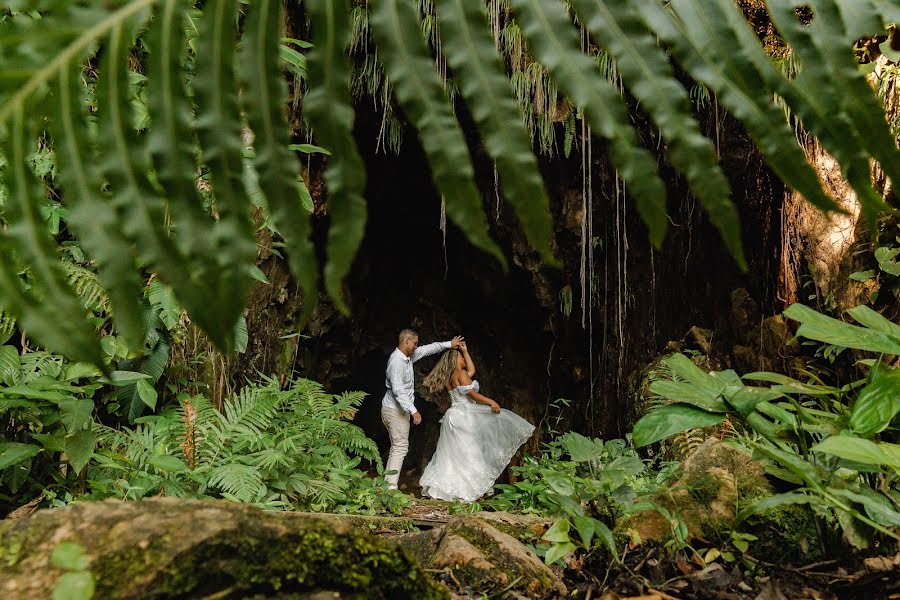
pixel 399 376
pixel 475 446
pixel 396 420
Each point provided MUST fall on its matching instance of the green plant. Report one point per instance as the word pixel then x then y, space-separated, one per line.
pixel 581 480
pixel 823 440
pixel 121 187
pixel 277 448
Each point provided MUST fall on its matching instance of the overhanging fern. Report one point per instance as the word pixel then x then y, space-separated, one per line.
pixel 133 197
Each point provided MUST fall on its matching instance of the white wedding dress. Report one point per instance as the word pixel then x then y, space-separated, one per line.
pixel 475 446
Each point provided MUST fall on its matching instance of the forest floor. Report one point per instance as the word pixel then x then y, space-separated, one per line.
pixel 654 571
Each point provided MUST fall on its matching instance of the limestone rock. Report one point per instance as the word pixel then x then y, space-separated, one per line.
pixel 485 559
pixel 166 547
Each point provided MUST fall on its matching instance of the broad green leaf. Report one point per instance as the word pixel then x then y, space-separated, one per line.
pixel 561 484
pixel 553 40
pixel 745 399
pixel 779 413
pixel 69 556
pixel 481 76
pixel 580 448
pixel 685 368
pixel 91 212
pixel 126 377
pixel 876 506
pixel 604 534
pixel 275 161
pixel 167 463
pixel 874 320
pixel 852 529
pixel 219 133
pixel 862 275
pixel 741 90
pixel 77 371
pixel 586 529
pixel 309 149
pixel 558 551
pixel 558 532
pixel 409 65
pixel 817 326
pixel 878 403
pixel 647 72
pixel 681 391
pixel 241 335
pixel 855 449
pixel 789 385
pixel 9 365
pixel 13 453
pixel 79 448
pixel 147 393
pixel 32 392
pixel 770 502
pixel 74 586
pixel 666 421
pixel 76 413
pixel 330 110
pixel 52 442
pixel 793 462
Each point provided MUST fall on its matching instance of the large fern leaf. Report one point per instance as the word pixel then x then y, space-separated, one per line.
pixel 554 41
pixel 330 111
pixel 646 71
pixel 470 51
pixel 276 164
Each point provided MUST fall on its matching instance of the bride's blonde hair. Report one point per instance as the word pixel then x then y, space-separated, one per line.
pixel 438 380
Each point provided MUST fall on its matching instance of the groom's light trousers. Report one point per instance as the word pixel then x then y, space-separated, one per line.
pixel 396 421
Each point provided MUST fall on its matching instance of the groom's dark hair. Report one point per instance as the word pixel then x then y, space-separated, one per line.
pixel 406 334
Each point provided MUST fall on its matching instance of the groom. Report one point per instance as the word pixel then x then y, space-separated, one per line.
pixel 398 404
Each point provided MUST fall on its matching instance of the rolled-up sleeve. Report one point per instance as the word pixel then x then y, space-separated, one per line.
pixel 429 349
pixel 402 391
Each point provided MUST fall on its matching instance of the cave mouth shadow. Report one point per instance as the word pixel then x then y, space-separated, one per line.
pixel 410 273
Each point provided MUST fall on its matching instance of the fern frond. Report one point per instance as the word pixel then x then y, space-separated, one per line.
pixel 470 51
pixel 330 111
pixel 91 213
pixel 50 311
pixel 219 132
pixel 87 285
pixel 555 43
pixel 842 94
pixel 741 89
pixel 244 482
pixel 276 164
pixel 418 89
pixel 646 70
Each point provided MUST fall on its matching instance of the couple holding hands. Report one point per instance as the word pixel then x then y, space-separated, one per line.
pixel 477 438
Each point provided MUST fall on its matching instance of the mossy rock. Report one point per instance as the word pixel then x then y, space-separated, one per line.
pixel 177 548
pixel 483 559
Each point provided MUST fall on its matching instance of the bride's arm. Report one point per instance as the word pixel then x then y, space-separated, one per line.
pixel 464 379
pixel 470 366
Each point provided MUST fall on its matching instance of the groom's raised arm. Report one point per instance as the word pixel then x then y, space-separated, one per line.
pixel 434 348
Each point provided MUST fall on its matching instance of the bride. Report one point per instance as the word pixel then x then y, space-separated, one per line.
pixel 477 438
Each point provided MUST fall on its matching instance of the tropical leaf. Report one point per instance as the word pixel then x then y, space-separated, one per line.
pixel 418 90
pixel 330 110
pixel 470 51
pixel 551 37
pixel 822 328
pixel 666 421
pixel 276 164
pixel 646 70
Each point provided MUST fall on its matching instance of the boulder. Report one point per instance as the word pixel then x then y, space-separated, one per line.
pixel 479 557
pixel 189 548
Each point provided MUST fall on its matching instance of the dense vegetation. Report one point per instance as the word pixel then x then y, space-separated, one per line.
pixel 144 141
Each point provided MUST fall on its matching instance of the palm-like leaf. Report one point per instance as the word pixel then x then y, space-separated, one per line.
pixel 133 195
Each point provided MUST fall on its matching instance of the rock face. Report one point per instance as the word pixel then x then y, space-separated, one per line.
pixel 474 552
pixel 705 493
pixel 176 548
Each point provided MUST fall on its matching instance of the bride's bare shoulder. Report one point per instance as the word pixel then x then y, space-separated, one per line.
pixel 460 377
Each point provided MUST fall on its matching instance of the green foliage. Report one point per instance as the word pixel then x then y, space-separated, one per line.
pixel 580 480
pixel 833 445
pixel 131 195
pixel 277 448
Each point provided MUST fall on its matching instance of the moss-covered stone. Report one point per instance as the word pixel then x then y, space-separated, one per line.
pixel 171 548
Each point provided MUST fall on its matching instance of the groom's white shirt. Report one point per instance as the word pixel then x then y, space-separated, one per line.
pixel 399 376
